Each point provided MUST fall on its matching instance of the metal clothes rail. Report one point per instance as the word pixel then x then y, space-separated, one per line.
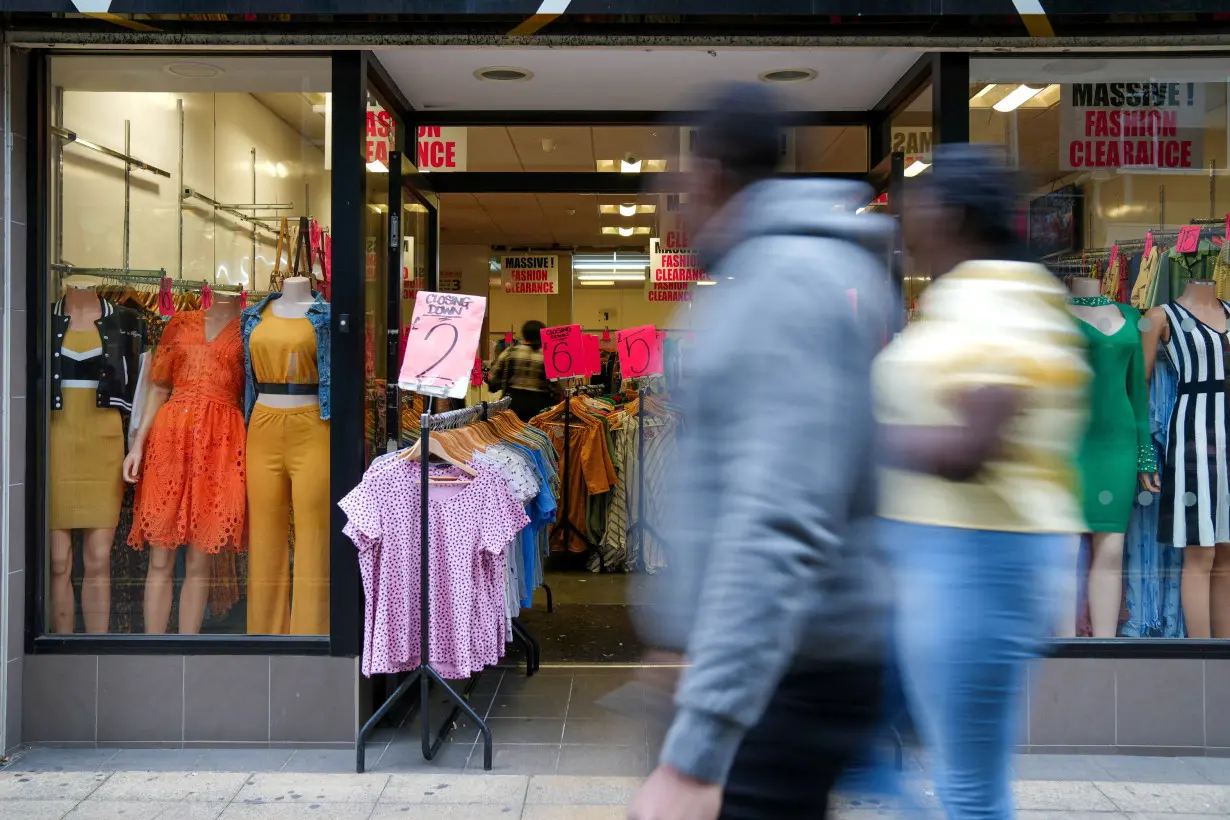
pixel 424 674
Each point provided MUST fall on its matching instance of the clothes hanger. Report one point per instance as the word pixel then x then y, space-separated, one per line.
pixel 435 448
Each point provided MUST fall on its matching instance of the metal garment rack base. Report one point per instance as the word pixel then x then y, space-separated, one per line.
pixel 424 675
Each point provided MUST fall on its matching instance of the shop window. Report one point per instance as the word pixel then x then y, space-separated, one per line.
pixel 1129 203
pixel 186 484
pixel 618 149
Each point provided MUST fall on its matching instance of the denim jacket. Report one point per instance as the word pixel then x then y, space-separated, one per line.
pixel 318 314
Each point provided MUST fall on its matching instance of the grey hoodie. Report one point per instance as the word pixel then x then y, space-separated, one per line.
pixel 772 564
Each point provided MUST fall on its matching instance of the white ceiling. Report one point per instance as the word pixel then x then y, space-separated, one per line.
pixel 539 220
pixel 637 79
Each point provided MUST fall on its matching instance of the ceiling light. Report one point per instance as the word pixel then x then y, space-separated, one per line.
pixel 628 265
pixel 1016 98
pixel 377 167
pixel 916 168
pixel 986 89
pixel 706 282
pixel 788 75
pixel 416 208
pixel 627 209
pixel 612 275
pixel 626 231
pixel 193 71
pixel 630 166
pixel 598 283
pixel 503 74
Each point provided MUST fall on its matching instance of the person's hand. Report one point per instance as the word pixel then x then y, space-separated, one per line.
pixel 1151 482
pixel 132 464
pixel 669 795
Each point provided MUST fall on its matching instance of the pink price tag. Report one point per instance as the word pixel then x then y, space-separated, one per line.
pixel 476 375
pixel 1148 242
pixel 563 351
pixel 593 355
pixel 508 338
pixel 1189 239
pixel 166 302
pixel 640 351
pixel 207 297
pixel 442 343
pixel 606 334
pixel 1114 254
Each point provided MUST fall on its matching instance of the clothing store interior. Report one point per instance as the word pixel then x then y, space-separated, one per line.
pixel 190 213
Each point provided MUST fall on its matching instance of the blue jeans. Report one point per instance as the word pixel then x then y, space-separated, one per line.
pixel 974 606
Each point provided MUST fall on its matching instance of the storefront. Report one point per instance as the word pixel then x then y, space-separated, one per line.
pixel 162 164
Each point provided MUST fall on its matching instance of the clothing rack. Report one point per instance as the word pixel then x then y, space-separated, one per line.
pixel 127 159
pixel 425 674
pixel 233 210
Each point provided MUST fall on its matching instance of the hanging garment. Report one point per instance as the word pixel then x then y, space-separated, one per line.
pixel 471 525
pixel 1117 444
pixel 192 487
pixel 1195 503
pixel 86 439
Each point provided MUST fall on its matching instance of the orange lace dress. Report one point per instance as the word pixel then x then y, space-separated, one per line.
pixel 191 489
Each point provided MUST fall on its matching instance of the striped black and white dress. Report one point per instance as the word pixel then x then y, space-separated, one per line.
pixel 1195 507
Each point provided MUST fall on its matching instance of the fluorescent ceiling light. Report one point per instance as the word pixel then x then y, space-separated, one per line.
pixel 1016 98
pixel 639 230
pixel 633 167
pixel 377 167
pixel 598 283
pixel 916 168
pixel 611 265
pixel 986 89
pixel 626 231
pixel 705 282
pixel 613 275
pixel 636 166
pixel 627 209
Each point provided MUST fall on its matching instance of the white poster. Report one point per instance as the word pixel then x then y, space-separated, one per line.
pixel 533 273
pixel 1145 125
pixel 673 272
pixel 442 149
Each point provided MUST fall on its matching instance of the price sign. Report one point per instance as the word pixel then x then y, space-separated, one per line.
pixel 563 351
pixel 1148 242
pixel 508 338
pixel 1189 239
pixel 640 351
pixel 606 334
pixel 166 302
pixel 441 344
pixel 476 375
pixel 593 355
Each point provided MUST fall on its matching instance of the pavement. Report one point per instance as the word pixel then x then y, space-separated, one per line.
pixel 69 784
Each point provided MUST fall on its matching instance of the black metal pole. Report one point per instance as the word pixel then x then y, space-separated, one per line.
pixel 424 573
pixel 640 476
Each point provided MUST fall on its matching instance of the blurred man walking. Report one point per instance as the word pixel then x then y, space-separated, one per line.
pixel 775 592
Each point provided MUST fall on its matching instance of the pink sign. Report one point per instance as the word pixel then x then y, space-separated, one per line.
pixel 1148 242
pixel 563 351
pixel 441 344
pixel 1189 239
pixel 640 351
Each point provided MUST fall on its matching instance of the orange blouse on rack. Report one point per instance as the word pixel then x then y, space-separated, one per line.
pixel 191 489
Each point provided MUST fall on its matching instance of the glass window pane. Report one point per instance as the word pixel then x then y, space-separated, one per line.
pixel 187 492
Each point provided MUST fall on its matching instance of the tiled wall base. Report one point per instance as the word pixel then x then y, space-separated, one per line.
pixel 178 701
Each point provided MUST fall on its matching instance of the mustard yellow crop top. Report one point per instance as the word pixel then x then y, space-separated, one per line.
pixel 283 351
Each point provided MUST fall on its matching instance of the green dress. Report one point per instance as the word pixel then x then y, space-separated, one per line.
pixel 1117 444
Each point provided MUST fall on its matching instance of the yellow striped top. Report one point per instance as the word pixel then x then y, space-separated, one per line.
pixel 991 323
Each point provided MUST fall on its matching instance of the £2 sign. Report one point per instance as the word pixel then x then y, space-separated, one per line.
pixel 441 344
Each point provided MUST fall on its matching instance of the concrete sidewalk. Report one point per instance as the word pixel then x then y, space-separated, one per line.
pixel 1050 788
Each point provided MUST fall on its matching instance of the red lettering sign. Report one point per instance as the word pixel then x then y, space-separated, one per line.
pixel 563 351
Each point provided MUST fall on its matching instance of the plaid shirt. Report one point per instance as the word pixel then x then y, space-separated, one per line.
pixel 520 368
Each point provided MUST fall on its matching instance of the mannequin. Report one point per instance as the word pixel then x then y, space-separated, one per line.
pixel 286 341
pixel 1194 511
pixel 1117 445
pixel 95 355
pixel 193 490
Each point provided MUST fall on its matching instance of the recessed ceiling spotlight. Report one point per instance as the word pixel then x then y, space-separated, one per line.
pixel 788 75
pixel 503 74
pixel 626 231
pixel 627 209
pixel 195 71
